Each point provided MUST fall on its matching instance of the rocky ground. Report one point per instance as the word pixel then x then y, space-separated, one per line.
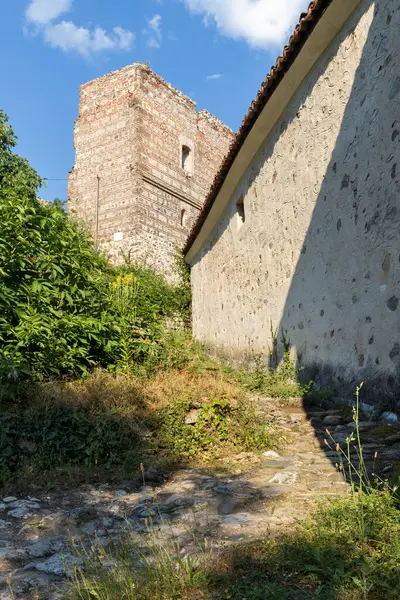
pixel 265 494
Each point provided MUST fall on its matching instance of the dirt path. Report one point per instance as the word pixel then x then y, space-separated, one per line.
pixel 189 505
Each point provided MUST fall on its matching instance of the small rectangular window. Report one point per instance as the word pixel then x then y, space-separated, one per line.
pixel 187 159
pixel 240 212
pixel 183 218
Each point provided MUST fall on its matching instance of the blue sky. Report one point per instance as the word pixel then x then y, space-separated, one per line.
pixel 215 51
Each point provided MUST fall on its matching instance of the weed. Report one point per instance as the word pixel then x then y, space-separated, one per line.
pixel 110 423
pixel 220 426
pixel 64 310
pixel 153 568
pixel 325 557
pixel 280 380
pixel 348 548
pixel 280 383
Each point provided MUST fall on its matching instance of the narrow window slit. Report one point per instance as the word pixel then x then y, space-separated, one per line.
pixel 241 215
pixel 187 161
pixel 183 218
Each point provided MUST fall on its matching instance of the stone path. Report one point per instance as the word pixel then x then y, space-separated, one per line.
pixel 268 496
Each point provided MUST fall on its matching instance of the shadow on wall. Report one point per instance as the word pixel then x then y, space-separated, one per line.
pixel 342 312
pixel 334 207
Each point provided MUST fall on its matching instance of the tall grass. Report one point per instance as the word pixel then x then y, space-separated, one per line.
pixel 346 549
pixel 106 424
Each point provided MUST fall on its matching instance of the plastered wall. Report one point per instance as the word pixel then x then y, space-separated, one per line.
pixel 318 255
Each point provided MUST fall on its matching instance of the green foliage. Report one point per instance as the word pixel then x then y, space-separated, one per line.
pixel 114 421
pixel 281 382
pixel 280 379
pixel 93 423
pixel 349 549
pixel 15 172
pixel 183 289
pixel 158 298
pixel 62 435
pixel 53 293
pixel 215 425
pixel 325 558
pixel 63 308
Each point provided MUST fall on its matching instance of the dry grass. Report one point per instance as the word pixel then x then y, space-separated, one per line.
pixel 107 424
pixel 330 556
pixel 165 388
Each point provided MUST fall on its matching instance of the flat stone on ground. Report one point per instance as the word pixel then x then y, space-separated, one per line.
pixel 285 478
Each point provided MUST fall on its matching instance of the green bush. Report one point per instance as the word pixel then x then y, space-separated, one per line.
pixel 54 294
pixel 64 436
pixel 157 298
pixel 280 382
pixel 63 308
pixel 218 426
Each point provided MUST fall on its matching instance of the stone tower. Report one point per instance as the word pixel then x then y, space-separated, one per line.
pixel 145 160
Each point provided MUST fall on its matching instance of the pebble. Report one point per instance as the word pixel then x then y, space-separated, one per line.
pixel 295 419
pixel 46 546
pixel 362 425
pixel 271 454
pixel 238 519
pixel 271 492
pixel 223 488
pixel 23 504
pixel 58 564
pixel 390 418
pixel 274 464
pixel 192 417
pixel 285 478
pixel 4 524
pixel 10 499
pixel 121 493
pixel 19 513
pixel 9 553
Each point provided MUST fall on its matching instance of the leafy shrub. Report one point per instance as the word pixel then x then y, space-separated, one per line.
pixel 53 292
pixel 216 427
pixel 63 308
pixel 92 423
pixel 281 382
pixel 158 298
pixel 114 422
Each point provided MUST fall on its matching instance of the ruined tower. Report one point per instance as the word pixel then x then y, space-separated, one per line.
pixel 145 160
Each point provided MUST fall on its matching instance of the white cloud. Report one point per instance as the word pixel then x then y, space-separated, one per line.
pixel 44 11
pixel 68 36
pixel 261 23
pixel 213 77
pixel 154 32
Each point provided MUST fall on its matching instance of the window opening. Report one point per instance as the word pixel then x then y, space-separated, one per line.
pixel 183 217
pixel 187 159
pixel 241 215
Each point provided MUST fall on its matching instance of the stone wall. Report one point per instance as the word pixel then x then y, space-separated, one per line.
pixel 128 183
pixel 318 255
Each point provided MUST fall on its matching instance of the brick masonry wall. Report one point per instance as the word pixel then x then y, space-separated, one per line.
pixel 128 183
pixel 318 254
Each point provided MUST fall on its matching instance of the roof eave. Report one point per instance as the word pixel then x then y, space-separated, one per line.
pixel 337 13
